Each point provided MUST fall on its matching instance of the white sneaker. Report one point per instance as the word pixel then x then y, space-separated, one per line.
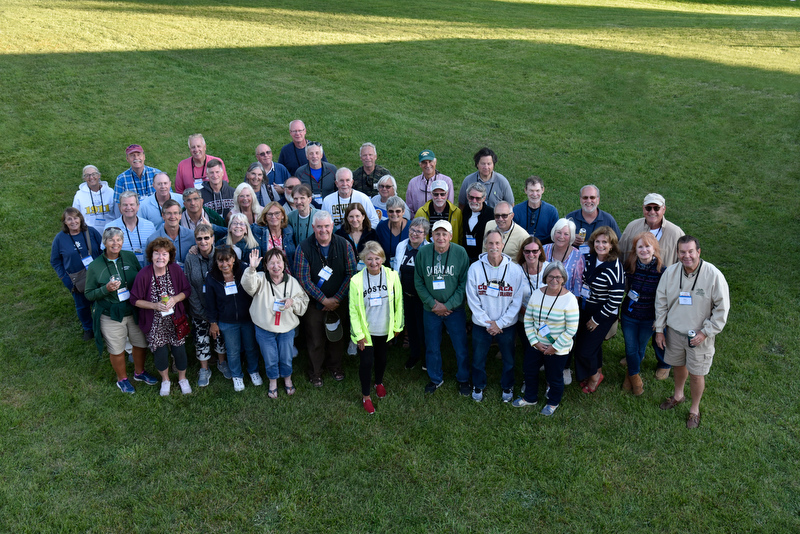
pixel 351 349
pixel 567 377
pixel 165 384
pixel 185 387
pixel 256 379
pixel 238 384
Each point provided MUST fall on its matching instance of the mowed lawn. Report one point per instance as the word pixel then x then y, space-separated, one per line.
pixel 699 101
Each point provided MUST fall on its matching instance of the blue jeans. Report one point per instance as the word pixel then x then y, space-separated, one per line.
pixel 481 341
pixel 238 337
pixel 456 324
pixel 277 352
pixel 84 309
pixel 553 370
pixel 637 333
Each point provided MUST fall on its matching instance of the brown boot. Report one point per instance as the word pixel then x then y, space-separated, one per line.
pixel 626 385
pixel 636 385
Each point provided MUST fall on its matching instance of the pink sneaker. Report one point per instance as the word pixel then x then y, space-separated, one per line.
pixel 380 390
pixel 368 406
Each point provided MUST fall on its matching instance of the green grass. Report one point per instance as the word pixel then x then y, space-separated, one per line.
pixel 696 100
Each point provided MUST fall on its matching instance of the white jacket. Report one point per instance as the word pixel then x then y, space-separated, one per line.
pixel 504 308
pixel 98 208
pixel 333 204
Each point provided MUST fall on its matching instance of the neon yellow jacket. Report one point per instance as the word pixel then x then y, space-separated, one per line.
pixel 359 329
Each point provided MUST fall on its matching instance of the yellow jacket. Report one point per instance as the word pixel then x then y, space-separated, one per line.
pixel 454 217
pixel 359 329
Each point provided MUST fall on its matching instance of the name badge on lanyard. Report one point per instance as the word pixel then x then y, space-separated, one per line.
pixel 493 289
pixel 585 292
pixel 471 241
pixel 544 330
pixel 438 284
pixel 584 249
pixel 324 274
pixel 685 298
pixel 123 294
pixel 375 300
pixel 198 183
pixel 86 261
pixel 317 198
pixel 139 254
pixel 230 288
pixel 634 296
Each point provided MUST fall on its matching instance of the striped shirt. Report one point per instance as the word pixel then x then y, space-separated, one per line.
pixel 606 282
pixel 560 314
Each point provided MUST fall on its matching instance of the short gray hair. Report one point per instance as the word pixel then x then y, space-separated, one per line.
pixel 553 266
pixel 367 145
pixel 89 167
pixel 320 215
pixel 422 222
pixel 491 231
pixel 196 136
pixel 480 188
pixel 315 144
pixel 128 194
pixel 591 185
pixel 110 232
pixel 561 223
pixel 395 202
pixel 189 191
pixel 388 178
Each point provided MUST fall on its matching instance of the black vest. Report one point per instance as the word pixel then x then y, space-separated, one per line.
pixel 337 260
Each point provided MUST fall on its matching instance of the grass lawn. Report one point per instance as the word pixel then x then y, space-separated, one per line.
pixel 697 100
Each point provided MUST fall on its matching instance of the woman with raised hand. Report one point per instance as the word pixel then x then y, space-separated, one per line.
pixel 643 271
pixel 601 295
pixel 245 201
pixel 108 282
pixel 376 316
pixel 551 321
pixel 240 238
pixel 273 231
pixel 159 291
pixel 228 311
pixel 278 302
pixel 74 248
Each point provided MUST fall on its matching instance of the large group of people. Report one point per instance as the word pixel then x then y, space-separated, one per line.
pixel 304 246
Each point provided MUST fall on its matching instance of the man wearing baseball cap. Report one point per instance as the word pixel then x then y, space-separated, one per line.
pixel 441 209
pixel 653 221
pixel 419 188
pixel 139 177
pixel 440 277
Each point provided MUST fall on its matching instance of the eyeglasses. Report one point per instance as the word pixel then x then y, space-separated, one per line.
pixel 503 216
pixel 652 208
pixel 297 131
pixel 267 153
pixel 529 251
pixel 414 231
pixel 476 199
pixel 439 194
pixel 274 214
pixel 588 198
pixel 396 212
pixel 556 277
pixel 202 238
pixel 92 175
pixel 385 186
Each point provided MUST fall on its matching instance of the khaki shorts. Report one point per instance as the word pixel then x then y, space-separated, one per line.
pixel 696 359
pixel 116 333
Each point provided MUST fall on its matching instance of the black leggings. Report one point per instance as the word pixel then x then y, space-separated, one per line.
pixel 161 357
pixel 372 354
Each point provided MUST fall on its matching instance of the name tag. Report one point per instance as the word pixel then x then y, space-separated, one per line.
pixel 204 288
pixel 123 294
pixel 584 249
pixel 139 254
pixel 493 290
pixel 198 183
pixel 585 292
pixel 325 273
pixel 471 241
pixel 317 199
pixel 86 261
pixel 277 306
pixel 438 285
pixel 230 288
pixel 685 298
pixel 168 312
pixel 633 295
pixel 99 219
pixel 375 301
pixel 544 330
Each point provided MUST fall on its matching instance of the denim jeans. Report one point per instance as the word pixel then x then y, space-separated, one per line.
pixel 456 324
pixel 637 334
pixel 277 352
pixel 553 370
pixel 481 341
pixel 84 309
pixel 240 337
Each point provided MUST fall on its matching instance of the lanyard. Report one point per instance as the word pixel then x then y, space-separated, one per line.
pixel 138 235
pixel 272 287
pixel 203 173
pixel 544 294
pixel 528 277
pixel 272 241
pixel 319 250
pixel 528 221
pixel 75 244
pixel 446 259
pixel 102 205
pixel 122 279
pixel 489 192
pixel 696 276
pixel 502 280
pixel 133 174
pixel 510 231
pixel 338 201
pixel 428 184
pixel 301 232
pixel 380 281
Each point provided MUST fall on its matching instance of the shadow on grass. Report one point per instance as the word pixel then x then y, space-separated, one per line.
pixel 490 14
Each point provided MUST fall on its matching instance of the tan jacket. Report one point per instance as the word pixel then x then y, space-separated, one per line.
pixel 258 286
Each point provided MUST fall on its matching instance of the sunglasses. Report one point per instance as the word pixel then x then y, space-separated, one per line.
pixel 267 153
pixel 202 238
pixel 529 251
pixel 503 216
pixel 476 199
pixel 439 194
pixel 652 208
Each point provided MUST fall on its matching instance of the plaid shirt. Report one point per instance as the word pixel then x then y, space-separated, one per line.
pixel 128 181
pixel 302 271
